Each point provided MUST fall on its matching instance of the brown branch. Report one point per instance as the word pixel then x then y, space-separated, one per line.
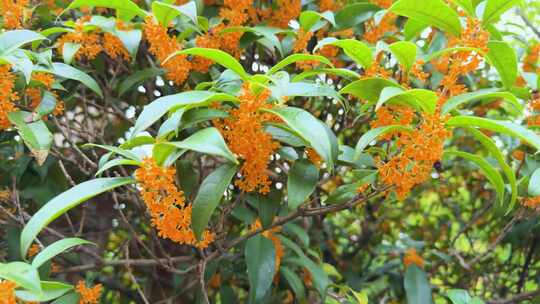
pixel 519 298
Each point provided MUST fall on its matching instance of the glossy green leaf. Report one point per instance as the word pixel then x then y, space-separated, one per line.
pixel 55 249
pixel 50 291
pixel 405 53
pixel 64 202
pixel 319 277
pixel 116 162
pixel 459 296
pixel 260 259
pixel 534 184
pixel 218 56
pixel 294 281
pixel 165 12
pixel 420 99
pixel 454 102
pixel 296 58
pixel 503 57
pixel 24 275
pixel 501 126
pixel 308 19
pixel 208 141
pixel 354 14
pixel 12 40
pixel 68 298
pixel 35 134
pixel 301 182
pixel 358 51
pixel 126 8
pixel 495 8
pixel 417 287
pixel 69 72
pixel 413 28
pixel 137 78
pixel 310 129
pixel 190 99
pixel 210 193
pixel 432 12
pixel 491 173
pixel 372 135
pixel 368 88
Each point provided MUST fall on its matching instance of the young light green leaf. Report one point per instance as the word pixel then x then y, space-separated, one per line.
pixel 413 28
pixel 210 193
pixel 372 134
pixel 501 126
pixel 190 99
pixel 260 260
pixel 35 135
pixel 55 249
pixel 417 286
pixel 64 202
pixel 503 57
pixel 358 51
pixel 405 53
pixel 309 18
pixel 24 275
pixel 295 58
pixel 69 50
pixel 50 291
pixel 302 180
pixel 534 184
pixel 207 140
pixel 495 8
pixel 216 55
pixel 494 94
pixel 419 99
pixel 126 8
pixel 368 88
pixel 165 12
pixel 491 174
pixel 310 129
pixel 432 12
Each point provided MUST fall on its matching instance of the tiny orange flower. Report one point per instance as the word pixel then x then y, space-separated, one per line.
pixel 7 292
pixel 412 257
pixel 88 295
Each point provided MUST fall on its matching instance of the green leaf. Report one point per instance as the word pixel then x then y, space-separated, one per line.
pixel 308 19
pixel 47 104
pixel 210 193
pixel 165 12
pixel 12 40
pixel 306 89
pixel 456 101
pixel 69 50
pixel 369 88
pixel 319 277
pixel 137 78
pixel 69 298
pixel 268 33
pixel 131 41
pixel 301 182
pixel 354 14
pixel 126 8
pixel 310 129
pixel 405 53
pixel 294 282
pixel 413 28
pixel 24 275
pixel 372 134
pixel 116 162
pixel 503 57
pixel 432 12
pixel 417 286
pixel 64 202
pixel 419 99
pixel 207 140
pixel 55 249
pixel 51 291
pixel 491 174
pixel 534 184
pixel 260 260
pixel 358 51
pixel 459 296
pixel 35 135
pixel 501 126
pixel 345 73
pixel 295 58
pixel 218 56
pixel 191 99
pixel 494 150
pixel 20 62
pixel 69 72
pixel 495 8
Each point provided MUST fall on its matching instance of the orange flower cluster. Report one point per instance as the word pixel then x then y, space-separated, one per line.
pixel 33 250
pixel 418 72
pixel 374 32
pixel 382 3
pixel 7 96
pixel 459 63
pixel 165 202
pixel 88 295
pixel 271 235
pixel 314 157
pixel 392 115
pixel 330 5
pixel 162 46
pixel 412 257
pixel 302 40
pixel 7 292
pixel 534 105
pixel 376 69
pixel 419 150
pixel 208 40
pixel 14 13
pixel 530 62
pixel 287 10
pixel 92 43
pixel 244 133
pixel 532 202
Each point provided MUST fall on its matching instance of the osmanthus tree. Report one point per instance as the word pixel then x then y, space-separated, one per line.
pixel 269 151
